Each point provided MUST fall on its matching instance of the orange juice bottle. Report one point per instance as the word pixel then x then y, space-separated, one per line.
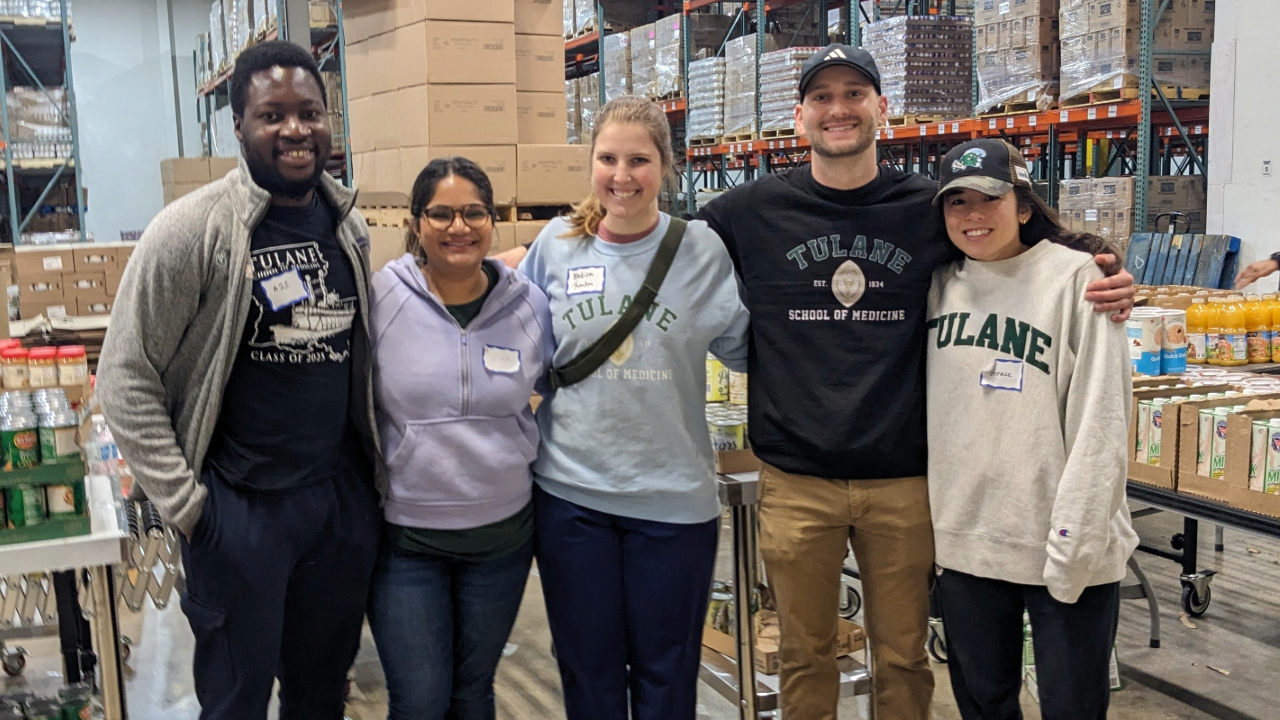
pixel 1212 329
pixel 1258 329
pixel 1273 302
pixel 1233 338
pixel 1197 315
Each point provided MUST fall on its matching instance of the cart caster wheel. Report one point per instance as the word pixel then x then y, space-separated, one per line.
pixel 14 661
pixel 937 648
pixel 850 603
pixel 1193 603
pixel 1178 541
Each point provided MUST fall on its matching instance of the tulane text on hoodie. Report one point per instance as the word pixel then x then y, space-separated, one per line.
pixel 453 404
pixel 632 440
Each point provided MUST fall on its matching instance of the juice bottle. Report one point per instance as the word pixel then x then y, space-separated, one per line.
pixel 1258 329
pixel 1233 339
pixel 1212 314
pixel 1197 314
pixel 1272 301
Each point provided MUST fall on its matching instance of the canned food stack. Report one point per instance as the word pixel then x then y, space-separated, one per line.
pixel 779 78
pixel 926 64
pixel 706 98
pixel 726 407
pixel 38 427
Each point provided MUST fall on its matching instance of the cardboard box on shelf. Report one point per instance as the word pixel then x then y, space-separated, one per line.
pixel 36 260
pixel 370 66
pixel 362 19
pixel 220 166
pixel 504 237
pixel 1165 474
pixel 441 52
pixel 456 115
pixel 113 281
pixel 385 244
pixel 540 118
pixel 86 284
pixel 173 192
pixel 539 63
pixel 528 230
pixel 1238 444
pixel 539 17
pixel 184 170
pixel 497 161
pixel 52 309
pixel 552 174
pixel 88 307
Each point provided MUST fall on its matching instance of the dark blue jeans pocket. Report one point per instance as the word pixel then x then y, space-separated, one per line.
pixel 207 508
pixel 212 665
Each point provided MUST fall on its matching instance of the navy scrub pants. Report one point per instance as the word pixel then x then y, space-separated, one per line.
pixel 276 589
pixel 626 601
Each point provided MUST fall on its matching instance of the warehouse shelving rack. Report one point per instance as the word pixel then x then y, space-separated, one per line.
pixel 41 50
pixel 326 44
pixel 1152 134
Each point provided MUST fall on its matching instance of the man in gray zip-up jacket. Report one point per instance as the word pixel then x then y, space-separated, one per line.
pixel 236 379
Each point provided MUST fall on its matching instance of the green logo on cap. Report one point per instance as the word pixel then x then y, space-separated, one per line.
pixel 971 160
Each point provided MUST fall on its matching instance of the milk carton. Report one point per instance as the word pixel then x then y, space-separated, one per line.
pixel 1218 446
pixel 1204 441
pixel 1144 431
pixel 1258 451
pixel 1145 333
pixel 1271 472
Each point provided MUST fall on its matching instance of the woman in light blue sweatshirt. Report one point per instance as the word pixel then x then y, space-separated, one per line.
pixel 626 505
pixel 459 344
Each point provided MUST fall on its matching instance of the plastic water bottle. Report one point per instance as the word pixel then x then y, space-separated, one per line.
pixel 104 459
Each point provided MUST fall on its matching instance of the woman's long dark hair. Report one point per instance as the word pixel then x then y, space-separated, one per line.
pixel 1044 225
pixel 424 189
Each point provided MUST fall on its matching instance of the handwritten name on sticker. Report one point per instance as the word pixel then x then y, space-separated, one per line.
pixel 504 361
pixel 1005 375
pixel 585 280
pixel 285 290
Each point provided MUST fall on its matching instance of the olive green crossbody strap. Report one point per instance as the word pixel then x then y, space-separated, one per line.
pixel 581 367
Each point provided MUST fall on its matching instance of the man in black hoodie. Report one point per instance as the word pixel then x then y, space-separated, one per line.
pixel 836 258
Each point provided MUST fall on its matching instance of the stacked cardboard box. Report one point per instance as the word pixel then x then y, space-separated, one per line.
pixel 1099 45
pixel 706 32
pixel 740 83
pixel 644 60
pixel 706 98
pixel 1017 53
pixel 179 176
pixel 1104 206
pixel 60 280
pixel 779 80
pixel 436 78
pixel 617 65
pixel 925 64
pixel 1187 25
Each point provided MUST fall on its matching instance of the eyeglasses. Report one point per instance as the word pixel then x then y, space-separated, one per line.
pixel 441 217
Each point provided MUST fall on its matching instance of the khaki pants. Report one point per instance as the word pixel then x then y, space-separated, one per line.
pixel 805 522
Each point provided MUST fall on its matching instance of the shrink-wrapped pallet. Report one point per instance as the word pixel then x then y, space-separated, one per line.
pixel 779 80
pixel 617 65
pixel 1017 51
pixel 705 109
pixel 926 64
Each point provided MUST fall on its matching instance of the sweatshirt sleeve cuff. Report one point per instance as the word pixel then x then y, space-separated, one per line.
pixel 186 514
pixel 1065 583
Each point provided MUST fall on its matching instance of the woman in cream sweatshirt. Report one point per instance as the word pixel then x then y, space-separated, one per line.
pixel 1028 391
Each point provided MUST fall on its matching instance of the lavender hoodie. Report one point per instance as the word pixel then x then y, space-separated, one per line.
pixel 453 405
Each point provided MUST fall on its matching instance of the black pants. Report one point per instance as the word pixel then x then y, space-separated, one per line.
pixel 983 621
pixel 276 588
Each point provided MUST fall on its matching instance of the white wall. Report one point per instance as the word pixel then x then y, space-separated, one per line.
pixel 1243 116
pixel 124 97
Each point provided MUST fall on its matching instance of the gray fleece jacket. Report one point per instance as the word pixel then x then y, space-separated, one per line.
pixel 177 322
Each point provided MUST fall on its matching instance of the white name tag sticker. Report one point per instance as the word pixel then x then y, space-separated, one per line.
pixel 1006 375
pixel 585 280
pixel 501 360
pixel 285 290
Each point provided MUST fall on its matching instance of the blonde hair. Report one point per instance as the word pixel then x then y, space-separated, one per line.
pixel 585 219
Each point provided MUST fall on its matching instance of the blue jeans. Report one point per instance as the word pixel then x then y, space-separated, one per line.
pixel 626 602
pixel 440 626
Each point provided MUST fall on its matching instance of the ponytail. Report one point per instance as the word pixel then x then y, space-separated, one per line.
pixel 585 219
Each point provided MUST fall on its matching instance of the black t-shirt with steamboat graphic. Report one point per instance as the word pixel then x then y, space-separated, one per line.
pixel 284 419
pixel 836 282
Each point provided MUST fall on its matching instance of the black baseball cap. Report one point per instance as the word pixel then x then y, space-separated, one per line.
pixel 989 166
pixel 837 54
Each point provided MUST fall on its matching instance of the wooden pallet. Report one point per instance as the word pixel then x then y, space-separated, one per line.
pixel 737 137
pixel 385 216
pixel 918 119
pixel 516 213
pixel 1101 97
pixel 1014 109
pixel 1173 92
pixel 704 141
pixel 1168 259
pixel 778 133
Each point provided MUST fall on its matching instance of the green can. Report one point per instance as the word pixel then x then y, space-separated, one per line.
pixel 26 505
pixel 74 700
pixel 59 437
pixel 65 501
pixel 20 439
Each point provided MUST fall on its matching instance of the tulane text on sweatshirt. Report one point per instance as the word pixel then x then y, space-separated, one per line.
pixel 1028 393
pixel 632 439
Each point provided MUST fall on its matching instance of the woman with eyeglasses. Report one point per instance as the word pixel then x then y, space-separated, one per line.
pixel 459 343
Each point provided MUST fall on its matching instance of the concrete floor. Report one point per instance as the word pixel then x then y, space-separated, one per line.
pixel 1224 667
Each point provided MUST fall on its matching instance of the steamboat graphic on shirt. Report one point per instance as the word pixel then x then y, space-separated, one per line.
pixel 303 332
